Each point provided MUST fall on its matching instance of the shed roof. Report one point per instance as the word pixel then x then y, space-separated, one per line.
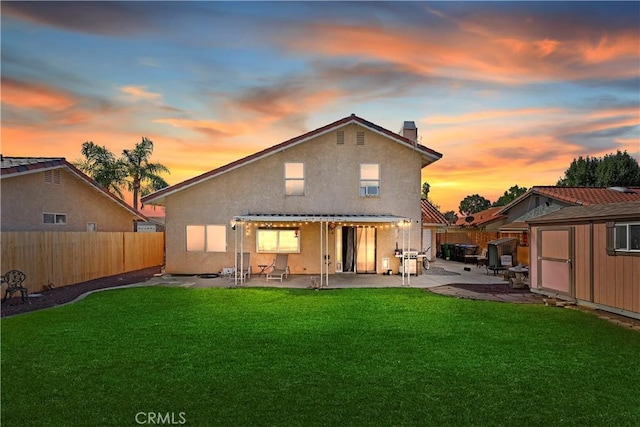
pixel 428 155
pixel 602 212
pixel 19 166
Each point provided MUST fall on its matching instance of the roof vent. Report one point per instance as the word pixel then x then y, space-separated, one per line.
pixel 621 189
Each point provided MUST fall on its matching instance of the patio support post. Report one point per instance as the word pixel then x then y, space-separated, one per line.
pixel 234 225
pixel 326 245
pixel 321 268
pixel 241 227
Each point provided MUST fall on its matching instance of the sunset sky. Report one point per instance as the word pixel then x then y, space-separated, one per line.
pixel 508 92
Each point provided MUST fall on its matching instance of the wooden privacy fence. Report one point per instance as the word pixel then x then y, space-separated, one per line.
pixel 65 258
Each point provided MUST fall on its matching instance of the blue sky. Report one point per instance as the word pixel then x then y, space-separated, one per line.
pixel 509 92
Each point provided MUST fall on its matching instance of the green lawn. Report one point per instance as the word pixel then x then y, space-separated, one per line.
pixel 302 357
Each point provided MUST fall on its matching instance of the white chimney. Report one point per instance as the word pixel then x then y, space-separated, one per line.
pixel 410 131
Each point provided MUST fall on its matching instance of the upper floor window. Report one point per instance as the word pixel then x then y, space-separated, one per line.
pixel 54 218
pixel 369 180
pixel 294 179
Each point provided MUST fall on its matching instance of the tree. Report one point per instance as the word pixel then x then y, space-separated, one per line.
pixel 581 173
pixel 472 204
pixel 618 169
pixel 133 171
pixel 425 190
pixel 510 195
pixel 142 176
pixel 451 217
pixel 103 166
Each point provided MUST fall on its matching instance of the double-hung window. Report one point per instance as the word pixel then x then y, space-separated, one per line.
pixel 206 238
pixel 370 180
pixel 294 179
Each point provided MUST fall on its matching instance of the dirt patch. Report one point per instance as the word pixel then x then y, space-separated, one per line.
pixel 57 296
pixel 491 288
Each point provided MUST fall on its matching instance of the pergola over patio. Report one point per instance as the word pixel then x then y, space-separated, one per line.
pixel 325 221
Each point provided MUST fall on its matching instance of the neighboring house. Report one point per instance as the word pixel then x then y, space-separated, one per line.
pixel 542 200
pixel 340 198
pixel 432 220
pixel 50 194
pixel 590 254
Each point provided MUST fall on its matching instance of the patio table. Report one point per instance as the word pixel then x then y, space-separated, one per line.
pixel 518 280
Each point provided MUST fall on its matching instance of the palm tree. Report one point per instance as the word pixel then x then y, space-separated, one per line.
pixel 142 176
pixel 101 165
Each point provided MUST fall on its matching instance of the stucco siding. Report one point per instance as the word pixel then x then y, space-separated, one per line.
pixel 332 176
pixel 26 197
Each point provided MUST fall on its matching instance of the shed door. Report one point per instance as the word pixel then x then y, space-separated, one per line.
pixel 555 260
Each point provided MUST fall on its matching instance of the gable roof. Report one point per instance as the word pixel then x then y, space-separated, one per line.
pixel 481 218
pixel 19 166
pixel 431 215
pixel 428 155
pixel 602 212
pixel 581 195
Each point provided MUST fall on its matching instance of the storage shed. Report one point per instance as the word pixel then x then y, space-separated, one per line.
pixel 589 254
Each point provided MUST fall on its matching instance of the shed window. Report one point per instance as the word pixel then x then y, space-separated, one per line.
pixel 206 238
pixel 623 238
pixel 627 237
pixel 278 241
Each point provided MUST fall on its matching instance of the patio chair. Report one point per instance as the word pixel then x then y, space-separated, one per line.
pixel 481 260
pixel 14 279
pixel 243 266
pixel 280 268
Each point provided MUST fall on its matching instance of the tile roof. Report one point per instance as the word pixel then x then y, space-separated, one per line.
pixel 428 155
pixel 610 211
pixel 14 165
pixel 431 215
pixel 17 166
pixel 581 195
pixel 481 218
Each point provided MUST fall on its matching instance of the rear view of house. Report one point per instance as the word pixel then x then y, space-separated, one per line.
pixel 341 198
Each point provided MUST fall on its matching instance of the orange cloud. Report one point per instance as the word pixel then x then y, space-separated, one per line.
pixel 23 95
pixel 140 92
